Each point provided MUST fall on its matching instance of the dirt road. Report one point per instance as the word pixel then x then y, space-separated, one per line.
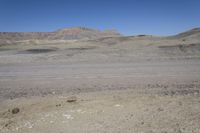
pixel 43 79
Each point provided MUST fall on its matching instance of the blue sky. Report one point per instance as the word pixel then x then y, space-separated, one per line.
pixel 130 17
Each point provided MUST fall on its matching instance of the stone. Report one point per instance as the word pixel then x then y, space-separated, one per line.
pixel 72 99
pixel 15 110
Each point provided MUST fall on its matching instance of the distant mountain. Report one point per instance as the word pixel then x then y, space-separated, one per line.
pixel 193 33
pixel 82 33
pixel 76 33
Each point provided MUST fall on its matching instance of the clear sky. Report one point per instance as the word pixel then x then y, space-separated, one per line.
pixel 130 17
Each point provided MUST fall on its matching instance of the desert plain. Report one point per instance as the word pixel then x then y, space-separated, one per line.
pixel 83 81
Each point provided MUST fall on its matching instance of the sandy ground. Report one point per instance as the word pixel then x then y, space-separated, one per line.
pixel 147 85
pixel 43 79
pixel 120 111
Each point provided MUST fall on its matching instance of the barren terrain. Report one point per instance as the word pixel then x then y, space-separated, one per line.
pixel 136 84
